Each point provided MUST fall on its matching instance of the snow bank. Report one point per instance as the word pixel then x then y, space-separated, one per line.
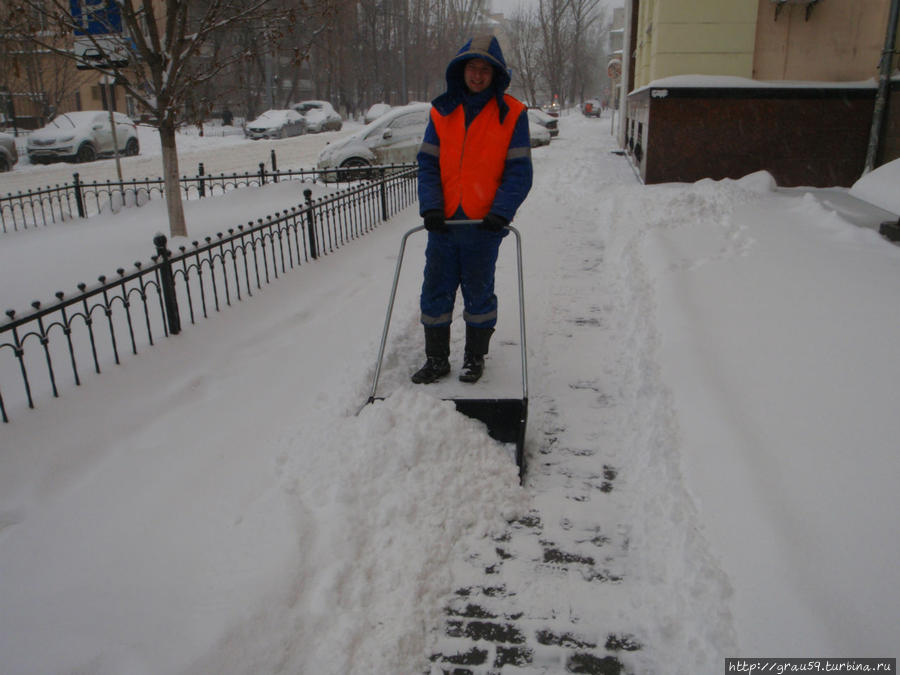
pixel 880 187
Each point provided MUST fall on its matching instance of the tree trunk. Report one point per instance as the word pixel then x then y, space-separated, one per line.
pixel 177 227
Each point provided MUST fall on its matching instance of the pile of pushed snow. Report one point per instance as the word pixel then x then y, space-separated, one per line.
pixel 400 491
pixel 879 187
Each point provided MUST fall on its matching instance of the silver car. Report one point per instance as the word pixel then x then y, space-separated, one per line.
pixel 8 153
pixel 277 124
pixel 320 116
pixel 393 138
pixel 82 137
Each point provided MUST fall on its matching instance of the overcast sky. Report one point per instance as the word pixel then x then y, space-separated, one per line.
pixel 509 6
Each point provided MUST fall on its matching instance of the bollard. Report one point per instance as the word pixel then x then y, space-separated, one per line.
pixel 384 207
pixel 311 225
pixel 167 284
pixel 202 172
pixel 79 200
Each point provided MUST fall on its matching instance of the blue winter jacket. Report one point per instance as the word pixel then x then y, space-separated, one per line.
pixel 518 173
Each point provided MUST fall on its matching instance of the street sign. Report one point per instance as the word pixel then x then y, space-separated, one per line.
pixel 614 69
pixel 99 39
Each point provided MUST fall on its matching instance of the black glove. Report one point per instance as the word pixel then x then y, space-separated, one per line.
pixel 493 223
pixel 434 221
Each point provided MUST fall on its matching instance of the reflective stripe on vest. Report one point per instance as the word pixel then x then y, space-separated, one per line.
pixel 472 160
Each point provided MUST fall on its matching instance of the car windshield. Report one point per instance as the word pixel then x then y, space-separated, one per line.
pixel 64 121
pixel 306 107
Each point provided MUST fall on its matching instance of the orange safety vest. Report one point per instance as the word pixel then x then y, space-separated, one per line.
pixel 472 160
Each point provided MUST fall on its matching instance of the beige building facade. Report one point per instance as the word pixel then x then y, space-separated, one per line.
pixel 788 86
pixel 828 40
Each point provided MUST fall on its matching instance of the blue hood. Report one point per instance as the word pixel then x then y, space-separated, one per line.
pixel 482 47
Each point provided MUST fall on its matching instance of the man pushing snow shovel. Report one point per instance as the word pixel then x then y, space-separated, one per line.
pixel 474 164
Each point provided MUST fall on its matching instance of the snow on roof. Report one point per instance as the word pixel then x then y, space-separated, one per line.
pixel 733 82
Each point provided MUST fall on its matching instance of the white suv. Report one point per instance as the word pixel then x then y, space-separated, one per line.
pixel 82 137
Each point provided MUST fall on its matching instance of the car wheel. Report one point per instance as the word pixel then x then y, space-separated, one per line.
pixel 355 168
pixel 132 148
pixel 4 165
pixel 86 153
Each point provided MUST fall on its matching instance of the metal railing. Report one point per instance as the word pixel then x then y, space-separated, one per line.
pixel 57 344
pixel 82 199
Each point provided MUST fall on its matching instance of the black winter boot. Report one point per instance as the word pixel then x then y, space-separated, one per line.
pixel 473 367
pixel 477 340
pixel 437 351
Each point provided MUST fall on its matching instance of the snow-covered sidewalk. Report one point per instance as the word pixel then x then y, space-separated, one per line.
pixel 712 459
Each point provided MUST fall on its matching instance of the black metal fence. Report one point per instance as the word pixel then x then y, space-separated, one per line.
pixel 55 345
pixel 81 199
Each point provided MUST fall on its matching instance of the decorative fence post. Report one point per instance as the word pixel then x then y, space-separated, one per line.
pixel 262 173
pixel 79 199
pixel 274 166
pixel 167 282
pixel 202 186
pixel 311 225
pixel 384 208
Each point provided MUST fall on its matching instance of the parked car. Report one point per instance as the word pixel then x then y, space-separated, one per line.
pixel 591 108
pixel 540 135
pixel 8 153
pixel 553 107
pixel 276 124
pixel 82 137
pixel 551 124
pixel 393 138
pixel 320 116
pixel 375 111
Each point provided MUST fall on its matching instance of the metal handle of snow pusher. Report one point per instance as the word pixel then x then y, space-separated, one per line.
pixel 390 309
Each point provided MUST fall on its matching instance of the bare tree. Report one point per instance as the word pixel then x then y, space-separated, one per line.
pixel 553 17
pixel 45 83
pixel 160 51
pixel 525 42
pixel 585 14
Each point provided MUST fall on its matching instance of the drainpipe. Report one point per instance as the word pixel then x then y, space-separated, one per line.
pixel 883 82
pixel 627 49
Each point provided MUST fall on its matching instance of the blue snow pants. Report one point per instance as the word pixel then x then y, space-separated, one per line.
pixel 465 258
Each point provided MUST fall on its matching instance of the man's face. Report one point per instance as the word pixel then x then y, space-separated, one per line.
pixel 478 75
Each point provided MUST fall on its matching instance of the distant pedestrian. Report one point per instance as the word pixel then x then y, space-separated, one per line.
pixel 474 164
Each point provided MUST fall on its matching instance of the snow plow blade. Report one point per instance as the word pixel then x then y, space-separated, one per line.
pixel 505 419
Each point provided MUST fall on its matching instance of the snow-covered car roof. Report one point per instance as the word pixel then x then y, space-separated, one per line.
pixel 79 117
pixel 376 110
pixel 386 117
pixel 273 117
pixel 313 104
pixel 539 114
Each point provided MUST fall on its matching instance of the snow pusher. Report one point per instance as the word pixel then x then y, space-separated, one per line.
pixel 505 418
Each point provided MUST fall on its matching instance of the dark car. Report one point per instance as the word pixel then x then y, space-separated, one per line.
pixel 277 124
